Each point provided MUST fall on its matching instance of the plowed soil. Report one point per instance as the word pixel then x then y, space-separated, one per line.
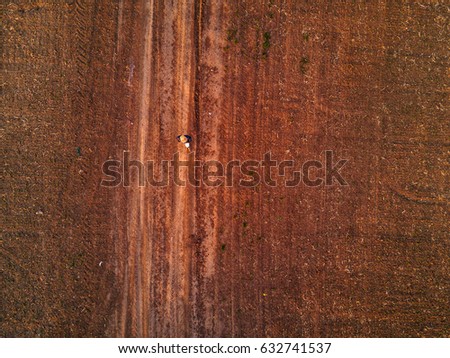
pixel 84 81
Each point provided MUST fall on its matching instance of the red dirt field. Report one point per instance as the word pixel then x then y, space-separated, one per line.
pixel 84 81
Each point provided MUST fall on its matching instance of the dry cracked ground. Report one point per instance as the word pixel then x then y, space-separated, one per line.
pixel 85 81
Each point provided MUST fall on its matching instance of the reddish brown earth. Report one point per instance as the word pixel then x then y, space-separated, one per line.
pixel 85 80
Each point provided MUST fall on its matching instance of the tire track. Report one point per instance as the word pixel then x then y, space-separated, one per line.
pixel 132 304
pixel 178 287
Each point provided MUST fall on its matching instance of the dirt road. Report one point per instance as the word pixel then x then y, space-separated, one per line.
pixel 87 80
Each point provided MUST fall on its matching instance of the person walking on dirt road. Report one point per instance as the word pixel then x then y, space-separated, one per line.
pixel 185 139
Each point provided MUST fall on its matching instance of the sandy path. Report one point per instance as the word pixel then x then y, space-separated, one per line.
pixel 161 220
pixel 172 233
